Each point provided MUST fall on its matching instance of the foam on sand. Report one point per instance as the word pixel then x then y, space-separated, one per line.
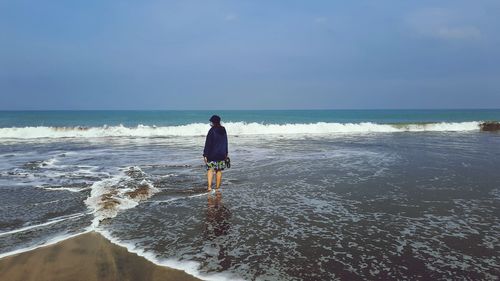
pixel 86 256
pixel 49 242
pixel 189 267
pixel 123 191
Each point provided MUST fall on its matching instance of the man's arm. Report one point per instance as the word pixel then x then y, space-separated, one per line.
pixel 208 144
pixel 226 145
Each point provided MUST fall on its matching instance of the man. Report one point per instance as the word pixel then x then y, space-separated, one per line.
pixel 215 152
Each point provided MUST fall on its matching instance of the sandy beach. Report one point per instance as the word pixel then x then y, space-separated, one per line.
pixel 87 257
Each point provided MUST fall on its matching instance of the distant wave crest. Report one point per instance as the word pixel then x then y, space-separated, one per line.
pixel 233 128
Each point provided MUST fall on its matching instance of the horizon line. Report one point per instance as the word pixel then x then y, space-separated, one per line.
pixel 219 109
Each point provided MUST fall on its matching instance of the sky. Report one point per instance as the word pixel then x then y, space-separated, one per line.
pixel 270 54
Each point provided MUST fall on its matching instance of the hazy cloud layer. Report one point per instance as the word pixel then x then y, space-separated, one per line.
pixel 444 24
pixel 249 54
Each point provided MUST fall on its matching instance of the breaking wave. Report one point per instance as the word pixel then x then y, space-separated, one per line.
pixel 233 128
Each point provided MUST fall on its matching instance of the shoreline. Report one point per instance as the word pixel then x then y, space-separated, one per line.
pixel 88 256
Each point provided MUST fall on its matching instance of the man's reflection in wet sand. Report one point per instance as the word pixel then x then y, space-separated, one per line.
pixel 217 226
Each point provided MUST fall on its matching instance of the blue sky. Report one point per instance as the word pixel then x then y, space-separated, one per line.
pixel 249 54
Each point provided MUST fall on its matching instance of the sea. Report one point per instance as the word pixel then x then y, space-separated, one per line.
pixel 310 194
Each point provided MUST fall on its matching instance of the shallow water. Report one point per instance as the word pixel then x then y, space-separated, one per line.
pixel 406 205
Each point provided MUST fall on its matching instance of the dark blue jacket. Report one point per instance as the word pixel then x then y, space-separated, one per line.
pixel 216 144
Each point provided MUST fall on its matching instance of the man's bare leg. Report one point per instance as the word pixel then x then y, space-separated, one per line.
pixel 218 179
pixel 210 175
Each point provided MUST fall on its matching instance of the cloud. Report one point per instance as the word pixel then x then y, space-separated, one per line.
pixel 442 24
pixel 320 20
pixel 231 17
pixel 465 32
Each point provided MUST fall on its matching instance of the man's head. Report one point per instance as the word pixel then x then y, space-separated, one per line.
pixel 215 119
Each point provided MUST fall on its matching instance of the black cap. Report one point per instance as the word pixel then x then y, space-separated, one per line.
pixel 215 119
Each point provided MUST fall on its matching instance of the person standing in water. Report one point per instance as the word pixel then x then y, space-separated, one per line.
pixel 215 152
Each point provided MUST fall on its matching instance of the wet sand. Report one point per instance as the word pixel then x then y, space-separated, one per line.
pixel 86 257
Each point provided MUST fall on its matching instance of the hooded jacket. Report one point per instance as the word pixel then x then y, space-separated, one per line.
pixel 216 144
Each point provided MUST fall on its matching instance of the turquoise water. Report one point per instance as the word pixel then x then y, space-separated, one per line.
pixel 172 117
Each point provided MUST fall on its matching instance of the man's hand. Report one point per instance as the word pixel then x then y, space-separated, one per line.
pixel 206 160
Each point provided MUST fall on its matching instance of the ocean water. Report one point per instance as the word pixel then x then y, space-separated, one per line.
pixel 311 195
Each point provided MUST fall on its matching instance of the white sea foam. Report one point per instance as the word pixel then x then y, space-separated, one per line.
pixel 53 221
pixel 190 267
pixel 121 192
pixel 179 198
pixel 71 189
pixel 49 242
pixel 49 163
pixel 233 128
